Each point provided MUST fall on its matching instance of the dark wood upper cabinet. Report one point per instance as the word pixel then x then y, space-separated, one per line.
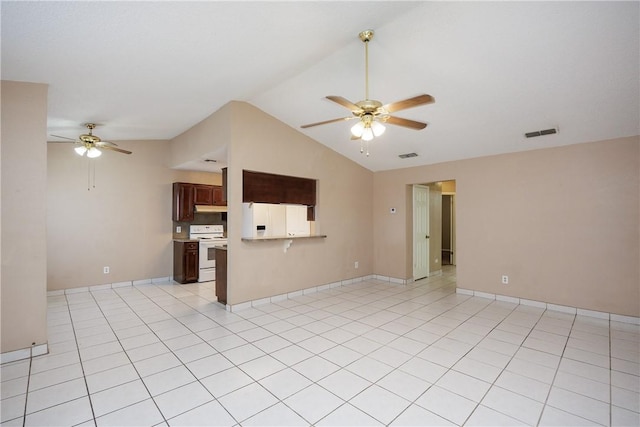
pixel 218 197
pixel 183 201
pixel 260 187
pixel 186 195
pixel 203 194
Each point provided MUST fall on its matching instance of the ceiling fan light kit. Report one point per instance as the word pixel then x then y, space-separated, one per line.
pixel 372 113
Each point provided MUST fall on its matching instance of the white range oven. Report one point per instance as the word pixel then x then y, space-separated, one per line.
pixel 208 236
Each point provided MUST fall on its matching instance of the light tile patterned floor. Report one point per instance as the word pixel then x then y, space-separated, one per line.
pixel 371 353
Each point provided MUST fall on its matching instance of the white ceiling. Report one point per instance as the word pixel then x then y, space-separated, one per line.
pixel 151 70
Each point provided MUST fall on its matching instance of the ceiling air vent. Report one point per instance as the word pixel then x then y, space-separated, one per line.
pixel 408 155
pixel 541 133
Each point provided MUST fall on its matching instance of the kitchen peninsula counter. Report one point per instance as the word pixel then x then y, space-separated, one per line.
pixel 268 238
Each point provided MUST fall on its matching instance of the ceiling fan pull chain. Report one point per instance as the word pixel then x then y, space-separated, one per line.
pixel 88 174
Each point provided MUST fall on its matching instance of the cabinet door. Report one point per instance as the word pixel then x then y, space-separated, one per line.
pixel 203 194
pixel 183 201
pixel 191 265
pixel 218 196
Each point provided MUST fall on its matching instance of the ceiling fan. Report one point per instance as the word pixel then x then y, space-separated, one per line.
pixel 371 113
pixel 90 144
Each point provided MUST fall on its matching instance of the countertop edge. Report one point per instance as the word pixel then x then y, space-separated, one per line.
pixel 275 238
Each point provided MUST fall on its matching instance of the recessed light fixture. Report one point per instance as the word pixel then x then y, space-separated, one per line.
pixel 541 133
pixel 408 155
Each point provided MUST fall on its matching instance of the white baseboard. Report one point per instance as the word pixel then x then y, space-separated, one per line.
pixel 552 307
pixel 24 353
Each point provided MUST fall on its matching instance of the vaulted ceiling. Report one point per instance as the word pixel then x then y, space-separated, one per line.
pixel 151 70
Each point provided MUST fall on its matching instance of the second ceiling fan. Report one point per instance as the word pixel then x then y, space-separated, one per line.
pixel 372 113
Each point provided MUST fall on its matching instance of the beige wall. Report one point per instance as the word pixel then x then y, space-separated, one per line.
pixel 344 210
pixel 123 223
pixel 24 260
pixel 562 223
pixel 208 138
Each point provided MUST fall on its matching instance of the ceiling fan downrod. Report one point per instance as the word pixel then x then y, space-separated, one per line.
pixel 366 37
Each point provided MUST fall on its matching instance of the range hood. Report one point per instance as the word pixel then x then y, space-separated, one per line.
pixel 210 209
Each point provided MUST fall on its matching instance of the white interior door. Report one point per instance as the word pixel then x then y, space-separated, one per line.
pixel 420 232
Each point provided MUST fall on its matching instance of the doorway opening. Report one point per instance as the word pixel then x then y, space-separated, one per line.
pixel 433 228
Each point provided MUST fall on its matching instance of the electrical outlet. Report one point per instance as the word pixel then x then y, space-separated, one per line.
pixel 356 264
pixel 505 280
pixel 178 229
pixel 106 270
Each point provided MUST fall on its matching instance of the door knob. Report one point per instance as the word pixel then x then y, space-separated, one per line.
pixel 427 236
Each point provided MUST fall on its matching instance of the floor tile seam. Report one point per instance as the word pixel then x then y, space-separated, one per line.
pixel 60 404
pixel 583 394
pixel 617 357
pixel 580 415
pixel 593 422
pixel 557 368
pixel 622 407
pixel 140 378
pixel 199 406
pixel 519 394
pixel 491 384
pixel 26 393
pixel 610 374
pixel 441 415
pixel 474 346
pixel 564 371
pixel 417 327
pixel 278 400
pixel 84 377
pixel 345 401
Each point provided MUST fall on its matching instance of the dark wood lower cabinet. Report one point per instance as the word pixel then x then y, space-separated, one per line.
pixel 221 275
pixel 185 262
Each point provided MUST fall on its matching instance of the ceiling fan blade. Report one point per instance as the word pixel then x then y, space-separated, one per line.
pixel 62 137
pixel 345 103
pixel 327 122
pixel 412 124
pixel 408 103
pixel 119 150
pixel 103 142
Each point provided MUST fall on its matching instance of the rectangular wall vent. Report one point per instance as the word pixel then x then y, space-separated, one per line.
pixel 406 156
pixel 541 133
